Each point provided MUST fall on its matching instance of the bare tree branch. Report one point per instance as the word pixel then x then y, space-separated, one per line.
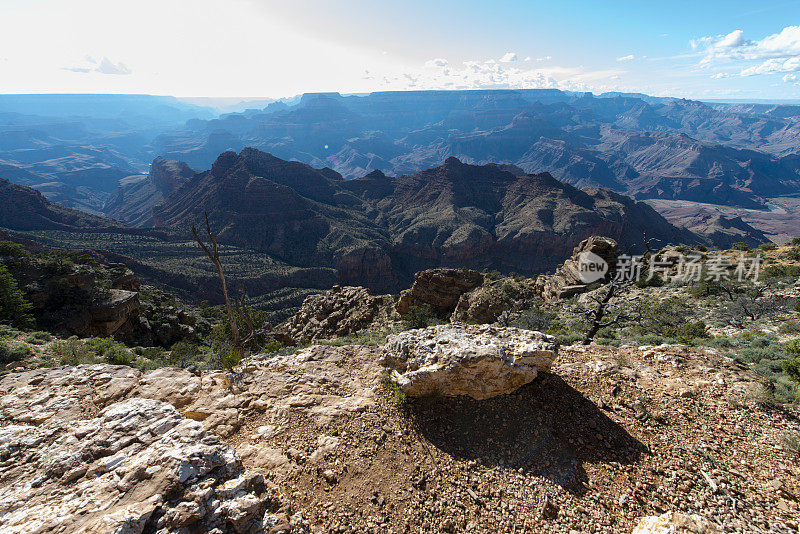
pixel 214 257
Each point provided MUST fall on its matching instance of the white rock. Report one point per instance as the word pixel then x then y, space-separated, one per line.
pixel 455 359
pixel 675 523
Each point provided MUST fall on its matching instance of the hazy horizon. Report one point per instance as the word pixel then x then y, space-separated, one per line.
pixel 275 49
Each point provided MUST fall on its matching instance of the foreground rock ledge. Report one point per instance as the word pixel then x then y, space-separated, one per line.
pixel 457 359
pixel 138 466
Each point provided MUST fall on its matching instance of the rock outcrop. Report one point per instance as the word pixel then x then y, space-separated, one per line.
pixel 569 279
pixel 136 196
pixel 136 466
pixel 609 436
pixel 439 290
pixel 478 361
pixel 339 312
pixel 487 302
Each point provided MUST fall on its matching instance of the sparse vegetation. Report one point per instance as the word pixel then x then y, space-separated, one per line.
pixel 396 394
pixel 14 307
pixel 419 317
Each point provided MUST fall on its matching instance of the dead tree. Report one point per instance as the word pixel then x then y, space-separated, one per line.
pixel 604 310
pixel 596 315
pixel 214 257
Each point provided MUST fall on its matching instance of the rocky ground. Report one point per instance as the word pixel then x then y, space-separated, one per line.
pixel 606 437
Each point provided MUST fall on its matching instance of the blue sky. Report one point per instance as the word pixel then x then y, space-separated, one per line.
pixel 698 49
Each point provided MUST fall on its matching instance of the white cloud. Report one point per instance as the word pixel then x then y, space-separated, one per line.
pixel 734 46
pixel 438 62
pixel 774 54
pixel 789 78
pixel 493 74
pixel 508 57
pixel 527 58
pixel 773 66
pixel 104 66
pixel 629 57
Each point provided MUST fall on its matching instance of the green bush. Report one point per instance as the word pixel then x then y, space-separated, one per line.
pixel 9 353
pixel 767 246
pixel 654 281
pixel 781 271
pixel 688 332
pixel 229 357
pixel 74 351
pixel 663 317
pixel 183 354
pixel 789 327
pixel 15 250
pixel 740 246
pixel 38 338
pixel 419 317
pixel 14 307
pixel 536 319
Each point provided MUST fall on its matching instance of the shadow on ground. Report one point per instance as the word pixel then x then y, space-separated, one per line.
pixel 547 428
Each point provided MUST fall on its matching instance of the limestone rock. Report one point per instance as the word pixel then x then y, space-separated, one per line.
pixel 439 289
pixel 456 359
pixel 339 312
pixel 675 523
pixel 567 279
pixel 136 466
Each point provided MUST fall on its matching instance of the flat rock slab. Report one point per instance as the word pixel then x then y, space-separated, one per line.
pixel 480 361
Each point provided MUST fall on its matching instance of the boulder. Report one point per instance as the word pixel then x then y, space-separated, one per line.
pixel 339 312
pixel 480 361
pixel 570 279
pixel 439 289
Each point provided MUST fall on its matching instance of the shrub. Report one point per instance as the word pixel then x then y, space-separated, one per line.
pixel 38 338
pixel 396 394
pixel 780 271
pixel 789 327
pixel 535 319
pixel 14 307
pixel 419 317
pixel 739 245
pixel 15 250
pixel 654 281
pixel 9 353
pixel 73 351
pixel 663 317
pixel 229 357
pixel 767 246
pixel 792 347
pixel 688 332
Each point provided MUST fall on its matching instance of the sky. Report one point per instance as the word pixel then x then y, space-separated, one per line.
pixel 263 48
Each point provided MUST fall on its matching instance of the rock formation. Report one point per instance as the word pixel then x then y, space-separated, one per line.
pixel 136 196
pixel 568 279
pixel 478 361
pixel 135 466
pixel 339 312
pixel 439 290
